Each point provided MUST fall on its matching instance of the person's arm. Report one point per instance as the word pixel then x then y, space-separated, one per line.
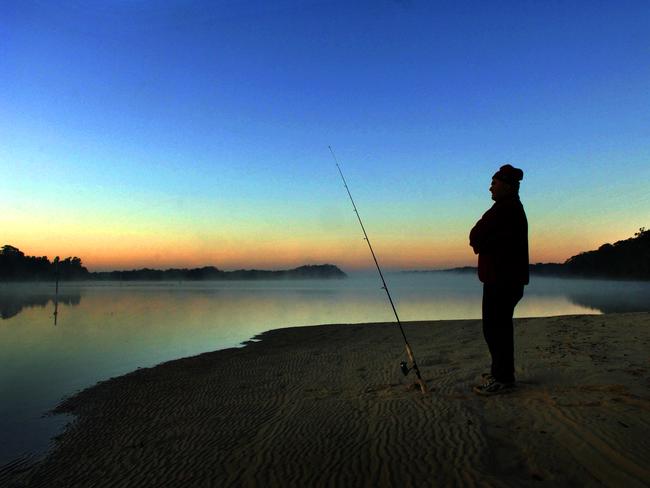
pixel 480 237
pixel 474 238
pixel 495 232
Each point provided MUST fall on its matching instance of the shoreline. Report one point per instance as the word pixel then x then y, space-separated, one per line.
pixel 327 404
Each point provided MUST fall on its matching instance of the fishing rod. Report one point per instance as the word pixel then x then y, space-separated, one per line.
pixel 409 352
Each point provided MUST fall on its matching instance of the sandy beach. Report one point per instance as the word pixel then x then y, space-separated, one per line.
pixel 328 406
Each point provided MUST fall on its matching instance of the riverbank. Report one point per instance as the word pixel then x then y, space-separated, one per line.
pixel 327 405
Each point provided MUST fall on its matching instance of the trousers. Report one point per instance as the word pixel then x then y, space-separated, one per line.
pixel 499 301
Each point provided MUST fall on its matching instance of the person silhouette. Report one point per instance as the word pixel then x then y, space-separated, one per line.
pixel 500 238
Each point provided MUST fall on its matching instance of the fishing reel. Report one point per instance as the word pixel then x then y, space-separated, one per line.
pixel 419 383
pixel 405 368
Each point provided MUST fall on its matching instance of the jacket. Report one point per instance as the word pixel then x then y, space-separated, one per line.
pixel 500 239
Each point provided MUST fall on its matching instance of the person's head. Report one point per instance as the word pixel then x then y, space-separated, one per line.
pixel 505 182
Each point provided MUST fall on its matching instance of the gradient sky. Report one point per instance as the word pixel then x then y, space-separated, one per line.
pixel 176 133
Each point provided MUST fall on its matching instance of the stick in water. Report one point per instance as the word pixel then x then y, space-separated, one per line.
pixel 56 292
pixel 409 352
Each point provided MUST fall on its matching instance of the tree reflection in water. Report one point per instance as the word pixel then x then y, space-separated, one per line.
pixel 13 301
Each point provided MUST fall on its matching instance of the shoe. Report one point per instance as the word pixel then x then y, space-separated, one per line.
pixel 487 377
pixel 494 387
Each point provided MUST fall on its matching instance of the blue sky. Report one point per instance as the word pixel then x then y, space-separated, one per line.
pixel 180 133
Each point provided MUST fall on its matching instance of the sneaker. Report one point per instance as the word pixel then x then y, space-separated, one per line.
pixel 494 387
pixel 487 377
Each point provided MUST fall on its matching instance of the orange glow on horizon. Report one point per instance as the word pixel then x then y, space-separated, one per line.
pixel 395 253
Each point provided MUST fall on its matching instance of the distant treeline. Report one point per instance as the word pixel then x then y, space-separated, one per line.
pixel 212 273
pixel 624 260
pixel 15 266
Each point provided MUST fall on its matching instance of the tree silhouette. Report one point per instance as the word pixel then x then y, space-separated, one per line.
pixel 627 259
pixel 15 266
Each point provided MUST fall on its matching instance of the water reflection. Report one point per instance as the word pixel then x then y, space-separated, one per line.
pixel 633 300
pixel 421 297
pixel 600 296
pixel 15 298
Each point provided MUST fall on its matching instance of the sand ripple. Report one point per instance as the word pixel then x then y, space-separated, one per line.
pixel 327 406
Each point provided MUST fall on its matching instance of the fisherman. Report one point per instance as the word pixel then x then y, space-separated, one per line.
pixel 500 239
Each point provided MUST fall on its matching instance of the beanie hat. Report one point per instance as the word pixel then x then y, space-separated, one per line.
pixel 510 175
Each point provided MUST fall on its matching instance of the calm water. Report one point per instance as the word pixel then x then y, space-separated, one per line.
pixel 108 329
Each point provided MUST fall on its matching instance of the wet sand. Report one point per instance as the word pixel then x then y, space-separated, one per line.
pixel 328 406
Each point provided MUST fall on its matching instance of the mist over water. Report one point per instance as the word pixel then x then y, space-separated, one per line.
pixel 106 329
